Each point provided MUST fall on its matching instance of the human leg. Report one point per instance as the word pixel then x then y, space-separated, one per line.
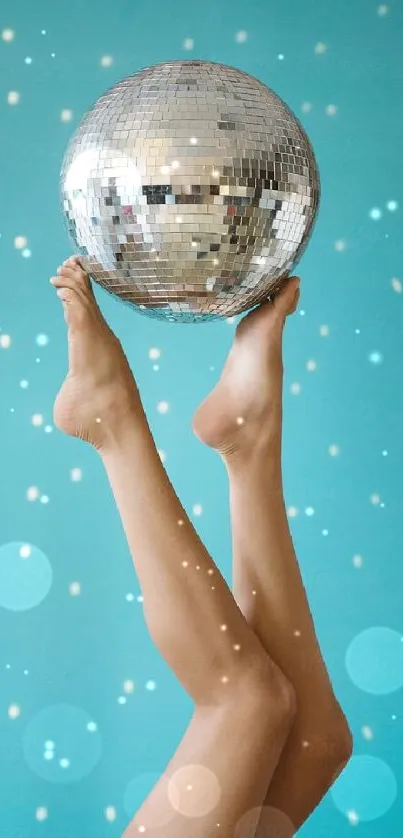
pixel 243 703
pixel 242 420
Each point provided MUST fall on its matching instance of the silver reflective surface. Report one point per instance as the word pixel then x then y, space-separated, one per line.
pixel 190 190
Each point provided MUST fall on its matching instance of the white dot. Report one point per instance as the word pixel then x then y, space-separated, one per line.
pixel 129 597
pixel 110 813
pixel 32 493
pixel 306 107
pixel 13 97
pixel 76 475
pixel 41 813
pixel 26 253
pixel 154 353
pixel 193 141
pixel 230 320
pixel 163 407
pixel 44 499
pixel 334 450
pixel 240 420
pixel 309 511
pixel 357 561
pixel 37 420
pixel 188 43
pixel 28 60
pixel 8 35
pixel 324 331
pixel 106 61
pixel 14 711
pixel 20 242
pixel 25 551
pixel 320 48
pixel 292 511
pixel 281 56
pixel 5 341
pixel 75 588
pixel 352 817
pixel 241 36
pixel 375 213
pixel 42 340
pixel 367 732
pixel 223 627
pixel 64 762
pixel 375 499
pixel 340 245
pixel 311 366
pixel 66 115
pixel 392 206
pixel 197 509
pixel 396 285
pixel 383 10
pixel 92 727
pixel 150 686
pixel 295 388
pixel 375 357
pixel 122 699
pixel 128 686
pixel 331 110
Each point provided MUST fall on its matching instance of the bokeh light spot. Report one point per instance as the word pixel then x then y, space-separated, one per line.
pixel 374 661
pixel 366 787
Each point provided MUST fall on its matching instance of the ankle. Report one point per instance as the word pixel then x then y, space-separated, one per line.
pixel 258 450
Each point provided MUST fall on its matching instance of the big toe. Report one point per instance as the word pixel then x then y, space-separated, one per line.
pixel 75 291
pixel 286 301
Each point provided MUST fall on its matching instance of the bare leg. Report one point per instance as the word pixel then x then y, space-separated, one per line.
pixel 242 420
pixel 243 704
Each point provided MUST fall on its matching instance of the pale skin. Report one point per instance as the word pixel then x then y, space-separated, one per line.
pixel 267 736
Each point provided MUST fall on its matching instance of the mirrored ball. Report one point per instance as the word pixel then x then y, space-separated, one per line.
pixel 190 191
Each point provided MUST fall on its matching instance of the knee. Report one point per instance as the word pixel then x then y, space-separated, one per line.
pixel 332 746
pixel 341 743
pixel 272 691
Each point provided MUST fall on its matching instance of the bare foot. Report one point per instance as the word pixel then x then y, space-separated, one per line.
pixel 244 408
pixel 99 391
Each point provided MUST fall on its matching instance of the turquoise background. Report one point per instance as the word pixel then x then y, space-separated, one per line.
pixel 89 713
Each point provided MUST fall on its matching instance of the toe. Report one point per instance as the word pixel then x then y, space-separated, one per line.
pixel 71 275
pixel 286 301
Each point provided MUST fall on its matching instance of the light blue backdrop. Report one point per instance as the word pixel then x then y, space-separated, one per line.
pixel 89 714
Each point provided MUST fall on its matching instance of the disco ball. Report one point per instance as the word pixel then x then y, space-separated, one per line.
pixel 190 191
